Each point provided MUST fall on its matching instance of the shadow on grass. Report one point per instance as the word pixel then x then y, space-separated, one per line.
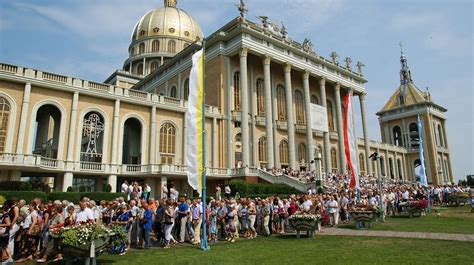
pixel 64 262
pixel 293 236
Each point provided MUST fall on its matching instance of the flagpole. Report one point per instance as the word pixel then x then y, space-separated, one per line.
pixel 204 245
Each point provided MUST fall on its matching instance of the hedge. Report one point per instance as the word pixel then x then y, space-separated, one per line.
pixel 74 197
pixel 246 189
pixel 28 196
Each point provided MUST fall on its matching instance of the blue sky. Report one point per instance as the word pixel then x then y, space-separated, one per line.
pixel 89 39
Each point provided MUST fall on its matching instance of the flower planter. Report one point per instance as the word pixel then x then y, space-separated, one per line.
pixel 85 250
pixel 363 217
pixel 305 224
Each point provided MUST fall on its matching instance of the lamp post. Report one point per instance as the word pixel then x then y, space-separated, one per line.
pixel 318 167
pixel 375 156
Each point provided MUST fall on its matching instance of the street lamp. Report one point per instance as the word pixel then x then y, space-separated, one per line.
pixel 375 157
pixel 317 159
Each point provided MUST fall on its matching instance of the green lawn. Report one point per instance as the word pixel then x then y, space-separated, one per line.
pixel 457 220
pixel 321 250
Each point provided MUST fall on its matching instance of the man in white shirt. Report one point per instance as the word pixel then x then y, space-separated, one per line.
pixel 124 188
pixel 333 210
pixel 84 214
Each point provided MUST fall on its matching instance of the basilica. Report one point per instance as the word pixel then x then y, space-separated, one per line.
pixel 260 88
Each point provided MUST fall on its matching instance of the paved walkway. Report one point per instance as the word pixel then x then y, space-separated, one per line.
pixel 442 236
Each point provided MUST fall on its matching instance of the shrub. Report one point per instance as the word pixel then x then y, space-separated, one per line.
pixel 107 196
pixel 2 200
pixel 246 189
pixel 82 188
pixel 70 189
pixel 10 185
pixel 28 196
pixel 107 188
pixel 73 197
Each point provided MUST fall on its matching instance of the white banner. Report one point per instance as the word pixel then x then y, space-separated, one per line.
pixel 319 118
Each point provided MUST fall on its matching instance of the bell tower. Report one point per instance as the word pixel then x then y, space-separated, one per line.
pixel 398 126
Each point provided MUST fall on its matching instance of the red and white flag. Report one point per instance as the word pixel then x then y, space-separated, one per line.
pixel 350 141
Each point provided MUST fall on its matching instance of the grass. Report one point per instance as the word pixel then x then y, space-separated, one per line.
pixel 321 250
pixel 458 220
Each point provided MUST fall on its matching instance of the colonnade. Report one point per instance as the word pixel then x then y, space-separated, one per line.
pixel 270 120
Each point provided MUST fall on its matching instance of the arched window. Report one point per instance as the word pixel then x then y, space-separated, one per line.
pixel 284 152
pixel 334 159
pixel 447 170
pixel 132 142
pixel 173 92
pixel 132 51
pixel 92 137
pixel 401 99
pixel 48 122
pixel 362 163
pixel 262 149
pixel 400 170
pixel 330 115
pixel 172 46
pixel 141 48
pixel 186 89
pixel 260 98
pixel 281 102
pixel 397 136
pixel 154 66
pixel 302 152
pixel 414 137
pixel 299 105
pixel 140 69
pixel 314 99
pixel 4 117
pixel 440 136
pixel 155 46
pixel 237 91
pixel 167 143
pixel 382 165
pixel 390 168
pixel 417 168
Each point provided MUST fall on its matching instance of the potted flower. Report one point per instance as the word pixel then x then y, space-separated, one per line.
pixel 83 240
pixel 305 222
pixel 364 213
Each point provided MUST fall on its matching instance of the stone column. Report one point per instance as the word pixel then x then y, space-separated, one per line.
pixel 365 132
pixel 164 182
pixel 340 128
pixel 214 143
pixel 23 118
pixel 185 140
pixel 309 130
pixel 228 114
pixel 290 117
pixel 112 181
pixel 327 156
pixel 152 147
pixel 67 180
pixel 395 166
pixel 268 111
pixel 72 128
pixel 115 132
pixel 244 99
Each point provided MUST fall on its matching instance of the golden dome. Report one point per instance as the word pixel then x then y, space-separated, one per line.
pixel 167 21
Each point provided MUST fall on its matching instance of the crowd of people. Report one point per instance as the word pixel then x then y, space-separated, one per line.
pixel 173 220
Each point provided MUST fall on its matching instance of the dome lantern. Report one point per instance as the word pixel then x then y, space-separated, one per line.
pixel 170 3
pixel 158 36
